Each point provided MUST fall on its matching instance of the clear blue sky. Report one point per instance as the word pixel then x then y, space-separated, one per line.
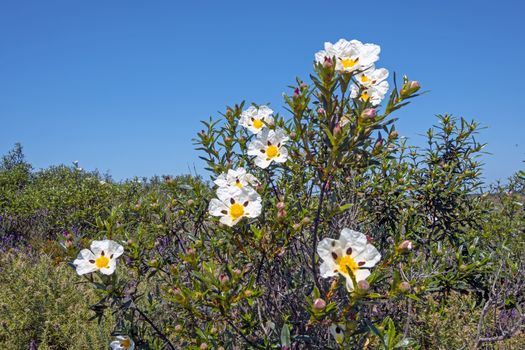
pixel 121 85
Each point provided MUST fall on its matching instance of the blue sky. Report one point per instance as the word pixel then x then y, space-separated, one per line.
pixel 121 85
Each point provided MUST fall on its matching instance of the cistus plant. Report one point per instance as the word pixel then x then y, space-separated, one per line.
pixel 323 229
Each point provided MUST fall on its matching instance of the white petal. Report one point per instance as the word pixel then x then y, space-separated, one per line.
pixel 216 207
pixel 361 274
pixel 353 239
pixel 253 209
pixel 227 220
pixel 262 162
pixel 100 246
pixel 114 249
pixel 84 266
pixel 115 345
pixel 327 269
pixel 370 255
pixel 325 248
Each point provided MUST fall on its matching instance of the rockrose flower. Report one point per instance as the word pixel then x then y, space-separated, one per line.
pixel 238 178
pixel 338 332
pixel 102 257
pixel 351 253
pixel 350 56
pixel 234 203
pixel 269 147
pixel 255 118
pixel 122 342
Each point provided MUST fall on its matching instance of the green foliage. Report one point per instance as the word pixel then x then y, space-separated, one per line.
pixel 39 306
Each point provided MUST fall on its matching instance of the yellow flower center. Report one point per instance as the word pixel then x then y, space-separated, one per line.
pixel 257 123
pixel 238 184
pixel 364 96
pixel 348 62
pixel 364 79
pixel 346 263
pixel 126 343
pixel 236 211
pixel 272 151
pixel 102 261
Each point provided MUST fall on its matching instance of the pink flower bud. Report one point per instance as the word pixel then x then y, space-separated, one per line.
pixel 369 113
pixel 404 287
pixel 296 93
pixel 405 246
pixel 363 285
pixel 281 206
pixel 409 88
pixel 327 63
pixel 321 110
pixel 203 346
pixel 319 304
pixel 337 130
pixel 223 278
pixel 178 328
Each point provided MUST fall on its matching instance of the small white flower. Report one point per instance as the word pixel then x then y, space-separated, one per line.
pixel 238 178
pixel 122 342
pixel 373 94
pixel 351 252
pixel 338 332
pixel 254 118
pixel 102 257
pixel 350 56
pixel 268 147
pixel 234 203
pixel 371 77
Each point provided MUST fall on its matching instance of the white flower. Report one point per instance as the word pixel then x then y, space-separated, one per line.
pixel 238 178
pixel 350 55
pixel 122 342
pixel 233 204
pixel 268 147
pixel 371 77
pixel 338 332
pixel 102 257
pixel 351 252
pixel 373 94
pixel 255 118
pixel 371 85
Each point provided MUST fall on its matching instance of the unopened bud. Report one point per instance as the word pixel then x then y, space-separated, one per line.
pixel 248 293
pixel 321 110
pixel 190 202
pixel 281 205
pixel 404 287
pixel 281 214
pixel 405 246
pixel 363 285
pixel 337 130
pixel 292 135
pixel 237 272
pixel 223 278
pixel 319 304
pixel 203 346
pixel 296 226
pixel 190 251
pixel 178 328
pixel 305 220
pixel 409 88
pixel 394 134
pixel 328 63
pixel 369 113
pixel 296 93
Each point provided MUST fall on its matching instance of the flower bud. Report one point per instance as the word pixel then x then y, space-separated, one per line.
pixel 223 278
pixel 281 205
pixel 393 135
pixel 404 287
pixel 305 221
pixel 248 293
pixel 409 88
pixel 190 202
pixel 203 346
pixel 327 63
pixel 296 226
pixel 237 272
pixel 292 135
pixel 337 130
pixel 363 285
pixel 321 110
pixel 319 304
pixel 405 246
pixel 296 93
pixel 281 214
pixel 369 113
pixel 178 328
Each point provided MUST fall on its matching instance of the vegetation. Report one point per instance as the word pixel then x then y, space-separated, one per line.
pixel 322 230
